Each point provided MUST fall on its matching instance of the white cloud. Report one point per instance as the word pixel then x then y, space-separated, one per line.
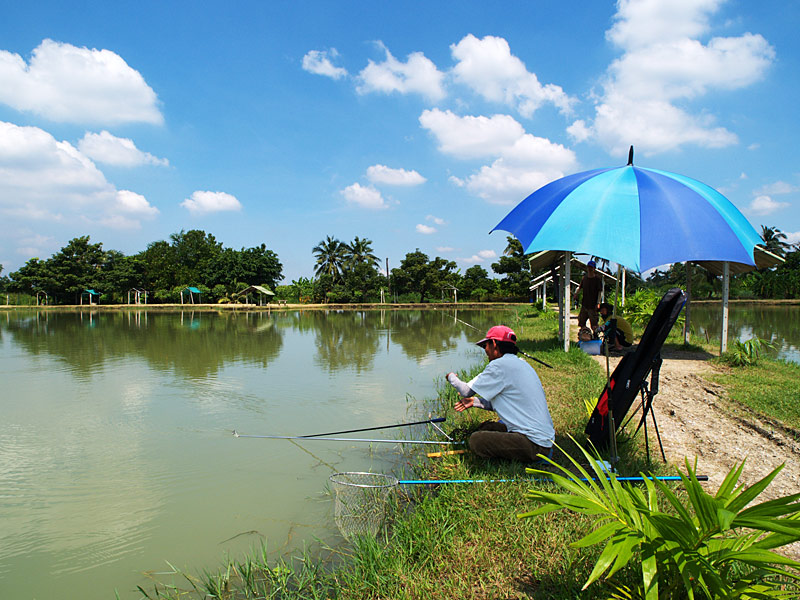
pixel 663 65
pixel 320 62
pixel 523 162
pixel 444 248
pixel 471 137
pixel 106 148
pixel 34 244
pixel 203 202
pixel 436 220
pixel 480 257
pixel 44 179
pixel 488 68
pixel 764 205
pixel 425 229
pixel 364 197
pixel 387 176
pixel 793 237
pixel 417 75
pixel 65 83
pixel 776 189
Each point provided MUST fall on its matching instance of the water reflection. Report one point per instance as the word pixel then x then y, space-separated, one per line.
pixel 189 343
pixel 778 324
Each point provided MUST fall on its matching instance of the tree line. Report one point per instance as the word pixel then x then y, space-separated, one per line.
pixel 344 272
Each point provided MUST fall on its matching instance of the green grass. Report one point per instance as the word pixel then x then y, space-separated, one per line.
pixel 771 388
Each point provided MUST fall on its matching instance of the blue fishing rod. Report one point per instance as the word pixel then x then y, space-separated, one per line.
pixel 632 479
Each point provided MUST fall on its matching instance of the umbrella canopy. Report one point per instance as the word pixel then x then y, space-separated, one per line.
pixel 639 218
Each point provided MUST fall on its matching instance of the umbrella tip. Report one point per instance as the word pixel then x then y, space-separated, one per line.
pixel 630 157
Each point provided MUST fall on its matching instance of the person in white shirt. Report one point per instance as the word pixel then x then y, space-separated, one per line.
pixel 509 386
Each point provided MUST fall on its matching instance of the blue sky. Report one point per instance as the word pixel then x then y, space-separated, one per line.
pixel 416 125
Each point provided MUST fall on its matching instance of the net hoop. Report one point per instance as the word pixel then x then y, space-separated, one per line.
pixel 360 500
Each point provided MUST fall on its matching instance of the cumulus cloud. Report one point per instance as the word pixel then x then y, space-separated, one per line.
pixel 436 220
pixel 106 148
pixel 388 176
pixel 776 189
pixel 481 256
pixel 662 68
pixel 364 197
pixel 320 62
pixel 425 229
pixel 488 68
pixel 417 75
pixel 793 237
pixel 522 162
pixel 34 244
pixel 765 205
pixel 46 179
pixel 444 248
pixel 204 202
pixel 65 83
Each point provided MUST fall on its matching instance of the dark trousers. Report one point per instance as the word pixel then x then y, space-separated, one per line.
pixel 493 440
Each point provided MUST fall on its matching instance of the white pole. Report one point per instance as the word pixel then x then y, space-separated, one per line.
pixel 566 298
pixel 623 286
pixel 544 294
pixel 688 302
pixel 726 280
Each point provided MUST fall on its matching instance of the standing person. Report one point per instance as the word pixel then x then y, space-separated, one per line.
pixel 509 386
pixel 590 285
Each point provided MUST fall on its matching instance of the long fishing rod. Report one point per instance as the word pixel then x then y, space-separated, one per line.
pixel 339 439
pixel 632 479
pixel 541 362
pixel 431 421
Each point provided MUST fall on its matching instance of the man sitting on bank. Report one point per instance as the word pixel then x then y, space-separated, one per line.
pixel 509 386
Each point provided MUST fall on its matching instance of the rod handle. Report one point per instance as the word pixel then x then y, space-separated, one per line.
pixel 437 420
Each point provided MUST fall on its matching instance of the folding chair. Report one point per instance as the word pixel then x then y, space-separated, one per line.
pixel 630 377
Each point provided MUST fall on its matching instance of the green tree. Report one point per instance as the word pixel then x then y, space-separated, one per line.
pixel 359 251
pixel 196 253
pixel 774 240
pixel 331 255
pixel 476 284
pixel 160 266
pixel 419 274
pixel 77 267
pixel 120 274
pixel 33 277
pixel 516 270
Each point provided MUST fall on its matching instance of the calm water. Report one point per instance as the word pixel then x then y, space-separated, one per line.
pixel 777 324
pixel 116 453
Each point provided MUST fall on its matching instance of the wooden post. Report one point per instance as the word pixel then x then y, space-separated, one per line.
pixel 726 281
pixel 686 334
pixel 566 298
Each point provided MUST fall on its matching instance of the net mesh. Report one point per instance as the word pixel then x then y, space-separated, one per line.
pixel 360 502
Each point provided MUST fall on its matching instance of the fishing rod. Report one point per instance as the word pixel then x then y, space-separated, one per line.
pixel 431 421
pixel 541 362
pixel 632 479
pixel 339 439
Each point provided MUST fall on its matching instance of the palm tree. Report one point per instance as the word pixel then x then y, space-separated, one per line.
pixel 330 254
pixel 773 240
pixel 360 251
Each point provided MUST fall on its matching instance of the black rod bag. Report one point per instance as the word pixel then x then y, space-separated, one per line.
pixel 626 380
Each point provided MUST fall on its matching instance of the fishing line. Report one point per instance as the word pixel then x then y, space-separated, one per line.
pixel 632 479
pixel 431 421
pixel 541 362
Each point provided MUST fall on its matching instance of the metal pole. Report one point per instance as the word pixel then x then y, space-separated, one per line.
pixel 686 311
pixel 623 286
pixel 566 298
pixel 726 280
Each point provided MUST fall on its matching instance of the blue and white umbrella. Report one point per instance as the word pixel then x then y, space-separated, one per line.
pixel 635 217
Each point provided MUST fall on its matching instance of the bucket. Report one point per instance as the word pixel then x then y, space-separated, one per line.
pixel 591 347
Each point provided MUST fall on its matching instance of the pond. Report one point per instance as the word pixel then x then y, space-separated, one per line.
pixel 116 445
pixel 778 324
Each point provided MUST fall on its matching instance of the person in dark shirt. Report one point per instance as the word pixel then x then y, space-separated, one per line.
pixel 590 286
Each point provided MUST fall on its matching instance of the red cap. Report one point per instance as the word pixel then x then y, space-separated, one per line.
pixel 499 333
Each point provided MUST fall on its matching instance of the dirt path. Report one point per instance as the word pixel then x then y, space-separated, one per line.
pixel 692 422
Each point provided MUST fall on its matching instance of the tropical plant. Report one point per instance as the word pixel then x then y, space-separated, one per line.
pixel 774 240
pixel 639 307
pixel 719 546
pixel 747 353
pixel 359 252
pixel 331 255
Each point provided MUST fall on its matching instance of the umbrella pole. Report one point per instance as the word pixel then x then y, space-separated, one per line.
pixel 566 298
pixel 612 427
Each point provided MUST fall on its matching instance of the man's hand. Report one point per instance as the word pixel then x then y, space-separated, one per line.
pixel 464 404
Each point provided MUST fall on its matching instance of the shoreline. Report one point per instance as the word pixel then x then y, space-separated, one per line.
pixel 257 308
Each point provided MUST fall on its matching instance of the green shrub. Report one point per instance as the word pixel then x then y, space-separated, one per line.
pixel 748 353
pixel 716 546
